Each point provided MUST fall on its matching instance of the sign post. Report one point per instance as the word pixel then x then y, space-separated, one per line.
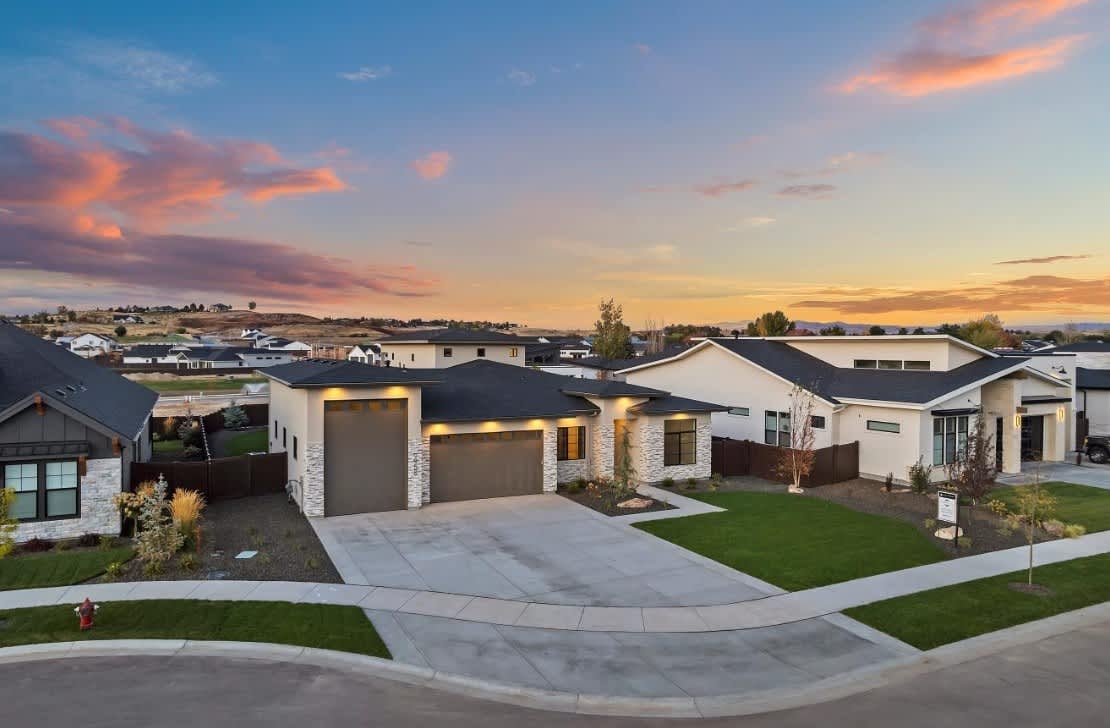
pixel 948 511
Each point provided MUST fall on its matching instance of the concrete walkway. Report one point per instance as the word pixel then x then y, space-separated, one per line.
pixel 1096 476
pixel 768 611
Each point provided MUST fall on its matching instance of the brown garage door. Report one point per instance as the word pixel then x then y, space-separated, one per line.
pixel 486 465
pixel 365 456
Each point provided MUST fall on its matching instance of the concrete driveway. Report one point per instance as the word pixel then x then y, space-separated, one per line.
pixel 541 548
pixel 1097 476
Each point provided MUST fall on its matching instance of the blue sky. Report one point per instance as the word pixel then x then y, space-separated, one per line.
pixel 698 161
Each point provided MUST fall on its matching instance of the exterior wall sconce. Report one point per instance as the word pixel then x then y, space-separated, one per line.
pixel 1017 422
pixel 1061 414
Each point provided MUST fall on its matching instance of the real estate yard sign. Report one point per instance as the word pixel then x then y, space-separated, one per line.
pixel 948 507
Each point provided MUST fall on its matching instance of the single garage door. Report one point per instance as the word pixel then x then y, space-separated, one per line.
pixel 486 465
pixel 365 456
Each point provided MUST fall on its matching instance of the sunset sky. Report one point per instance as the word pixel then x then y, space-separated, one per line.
pixel 901 162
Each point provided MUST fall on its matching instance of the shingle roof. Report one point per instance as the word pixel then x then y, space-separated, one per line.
pixel 615 365
pixel 607 388
pixel 672 405
pixel 452 336
pixel 29 365
pixel 149 350
pixel 216 353
pixel 336 372
pixel 1087 346
pixel 1092 378
pixel 486 390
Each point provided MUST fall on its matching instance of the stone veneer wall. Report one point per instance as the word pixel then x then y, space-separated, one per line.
pixel 601 449
pixel 649 452
pixel 312 489
pixel 570 470
pixel 419 475
pixel 103 479
pixel 550 457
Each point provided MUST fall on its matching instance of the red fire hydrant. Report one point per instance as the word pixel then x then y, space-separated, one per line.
pixel 85 614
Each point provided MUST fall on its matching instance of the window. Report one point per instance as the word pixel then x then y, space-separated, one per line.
pixel 865 364
pixel 739 411
pixel 61 488
pixel 275 429
pixel 949 438
pixel 921 366
pixel 294 447
pixel 776 428
pixel 817 422
pixel 447 352
pixel 890 364
pixel 284 443
pixel 513 351
pixel 23 478
pixel 481 351
pixel 880 426
pixel 571 443
pixel 412 357
pixel 680 439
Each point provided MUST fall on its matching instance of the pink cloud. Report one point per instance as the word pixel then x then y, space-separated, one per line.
pixel 920 73
pixel 720 189
pixel 997 15
pixel 75 128
pixel 433 165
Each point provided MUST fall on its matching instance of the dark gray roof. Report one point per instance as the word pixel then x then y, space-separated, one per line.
pixel 149 350
pixel 1085 346
pixel 607 388
pixel 1092 378
pixel 486 390
pixel 29 365
pixel 452 336
pixel 671 405
pixel 216 353
pixel 615 365
pixel 336 372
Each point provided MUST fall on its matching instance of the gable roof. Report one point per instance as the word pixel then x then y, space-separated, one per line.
pixel 345 372
pixel 616 365
pixel 451 336
pixel 1083 346
pixel 149 350
pixel 29 365
pixel 1092 378
pixel 487 390
pixel 606 388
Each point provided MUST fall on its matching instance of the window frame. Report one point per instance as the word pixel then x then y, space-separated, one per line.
pixel 42 490
pixel 951 436
pixel 448 352
pixel 294 447
pixel 740 411
pixel 781 428
pixel 813 422
pixel 514 352
pixel 680 446
pixel 884 426
pixel 284 439
pixel 865 364
pixel 481 353
pixel 890 364
pixel 563 443
pixel 918 365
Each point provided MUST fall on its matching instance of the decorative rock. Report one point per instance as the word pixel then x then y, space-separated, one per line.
pixel 947 532
pixel 636 503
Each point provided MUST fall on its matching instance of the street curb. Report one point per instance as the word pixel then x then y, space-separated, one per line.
pixel 834 688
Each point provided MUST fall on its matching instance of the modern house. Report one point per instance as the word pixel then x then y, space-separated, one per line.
pixel 69 430
pixel 227 357
pixel 440 348
pixel 903 398
pixel 1092 382
pixel 89 345
pixel 365 354
pixel 168 354
pixel 361 438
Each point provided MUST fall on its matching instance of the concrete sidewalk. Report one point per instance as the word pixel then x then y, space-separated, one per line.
pixel 753 614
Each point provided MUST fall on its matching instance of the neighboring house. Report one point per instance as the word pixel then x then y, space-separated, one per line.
pixel 276 343
pixel 599 367
pixel 903 398
pixel 542 353
pixel 440 348
pixel 252 334
pixel 227 357
pixel 1092 362
pixel 90 345
pixel 69 430
pixel 127 318
pixel 569 347
pixel 365 354
pixel 362 438
pixel 155 354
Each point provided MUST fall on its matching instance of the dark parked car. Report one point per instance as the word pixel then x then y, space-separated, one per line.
pixel 1097 448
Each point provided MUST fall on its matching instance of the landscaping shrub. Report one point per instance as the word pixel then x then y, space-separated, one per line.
pixel 715 482
pixel 185 508
pixel 158 539
pixel 192 452
pixel 691 483
pixel 919 476
pixel 188 562
pixel 7 523
pixel 169 428
pixel 113 570
pixel 235 417
pixel 88 540
pixel 107 543
pixel 667 482
pixel 36 545
pixel 1074 530
pixel 190 435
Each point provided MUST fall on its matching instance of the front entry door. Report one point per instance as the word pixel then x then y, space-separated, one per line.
pixel 1032 437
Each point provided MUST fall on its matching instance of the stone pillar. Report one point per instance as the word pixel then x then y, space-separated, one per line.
pixel 419 482
pixel 601 455
pixel 312 489
pixel 550 457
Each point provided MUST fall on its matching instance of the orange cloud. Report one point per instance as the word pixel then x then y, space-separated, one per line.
pixel 720 189
pixel 432 165
pixel 994 14
pixel 159 177
pixel 920 73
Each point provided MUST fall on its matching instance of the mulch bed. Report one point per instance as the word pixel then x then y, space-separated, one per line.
pixel 979 524
pixel 602 503
pixel 287 547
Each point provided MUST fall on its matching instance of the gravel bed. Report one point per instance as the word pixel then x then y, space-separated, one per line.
pixel 601 504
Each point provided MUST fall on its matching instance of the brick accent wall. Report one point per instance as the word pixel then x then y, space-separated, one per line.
pixel 102 481
pixel 312 490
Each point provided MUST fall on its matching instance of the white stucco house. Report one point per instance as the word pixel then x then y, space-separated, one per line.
pixel 365 354
pixel 1092 381
pixel 89 345
pixel 441 348
pixel 903 398
pixel 361 438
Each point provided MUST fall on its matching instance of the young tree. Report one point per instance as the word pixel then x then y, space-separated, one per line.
pixel 655 336
pixel 1035 505
pixel 771 323
pixel 612 337
pixel 986 332
pixel 252 305
pixel 624 472
pixel 876 330
pixel 121 330
pixel 918 331
pixel 972 470
pixel 235 417
pixel 796 461
pixel 7 522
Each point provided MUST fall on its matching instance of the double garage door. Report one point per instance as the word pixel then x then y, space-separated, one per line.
pixel 486 465
pixel 366 460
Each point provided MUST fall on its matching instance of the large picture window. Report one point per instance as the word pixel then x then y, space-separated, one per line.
pixel 949 438
pixel 571 443
pixel 680 442
pixel 43 490
pixel 776 428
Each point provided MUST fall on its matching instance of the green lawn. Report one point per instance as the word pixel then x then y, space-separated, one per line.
pixel 1082 504
pixel 797 542
pixel 169 447
pixel 57 568
pixel 200 384
pixel 310 625
pixel 256 441
pixel 936 617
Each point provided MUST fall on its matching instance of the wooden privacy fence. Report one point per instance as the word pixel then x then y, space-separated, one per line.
pixel 745 457
pixel 234 477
